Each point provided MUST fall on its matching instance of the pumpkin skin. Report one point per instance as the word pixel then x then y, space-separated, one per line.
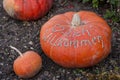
pixel 76 39
pixel 27 9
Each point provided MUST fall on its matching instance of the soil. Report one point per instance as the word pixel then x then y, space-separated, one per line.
pixel 24 35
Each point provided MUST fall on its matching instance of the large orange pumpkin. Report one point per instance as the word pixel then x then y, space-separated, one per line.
pixel 27 9
pixel 76 39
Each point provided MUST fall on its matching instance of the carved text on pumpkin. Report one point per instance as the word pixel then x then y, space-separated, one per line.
pixel 69 32
pixel 66 42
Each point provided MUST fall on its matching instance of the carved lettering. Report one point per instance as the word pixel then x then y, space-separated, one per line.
pixel 88 33
pixel 85 31
pixel 58 28
pixel 74 43
pixel 102 44
pixel 52 39
pixel 99 38
pixel 46 37
pixel 66 43
pixel 94 40
pixel 49 37
pixel 85 42
pixel 76 34
pixel 68 33
pixel 56 41
pixel 59 43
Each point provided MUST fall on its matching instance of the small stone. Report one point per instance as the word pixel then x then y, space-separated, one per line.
pixel 31 48
pixel 54 78
pixel 4 17
pixel 63 71
pixel 7 78
pixel 57 76
pixel 17 39
pixel 25 46
pixel 70 78
pixel 31 43
pixel 1 64
pixel 78 78
pixel 46 73
pixel 68 72
pixel 0 72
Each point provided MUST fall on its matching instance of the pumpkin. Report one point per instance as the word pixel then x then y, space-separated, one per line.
pixel 76 39
pixel 27 64
pixel 27 9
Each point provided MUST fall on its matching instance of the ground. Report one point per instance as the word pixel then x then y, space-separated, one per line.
pixel 24 35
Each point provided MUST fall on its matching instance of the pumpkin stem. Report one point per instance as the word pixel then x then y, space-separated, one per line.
pixel 17 51
pixel 75 20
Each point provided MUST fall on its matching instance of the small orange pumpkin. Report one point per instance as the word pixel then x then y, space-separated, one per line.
pixel 27 9
pixel 27 64
pixel 76 39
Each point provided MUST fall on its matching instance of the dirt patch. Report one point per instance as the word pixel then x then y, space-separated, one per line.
pixel 25 36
